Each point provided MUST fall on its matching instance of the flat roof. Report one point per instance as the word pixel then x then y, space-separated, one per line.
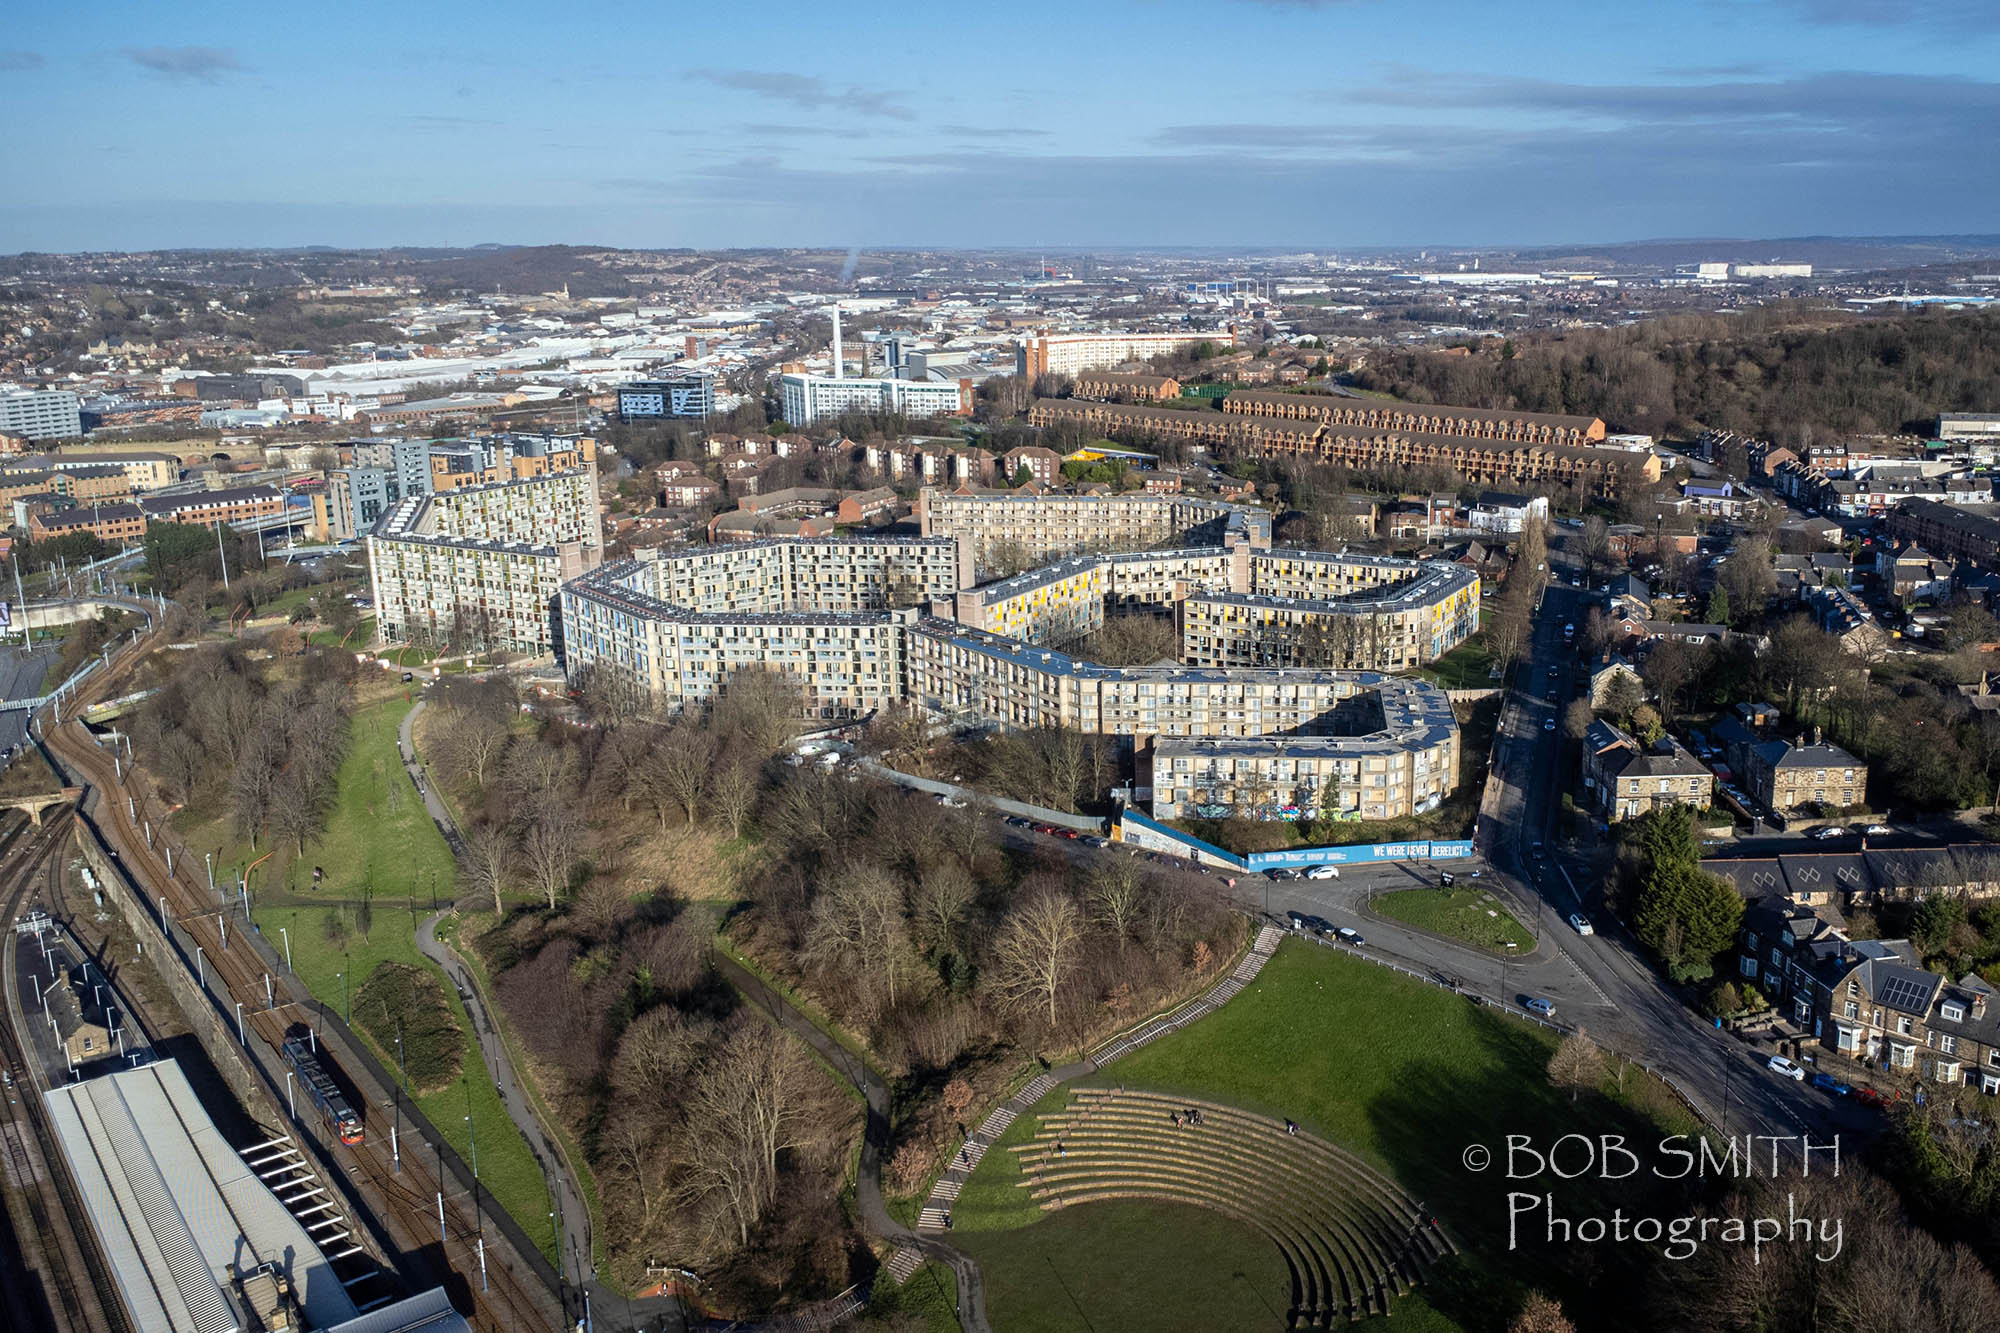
pixel 175 1206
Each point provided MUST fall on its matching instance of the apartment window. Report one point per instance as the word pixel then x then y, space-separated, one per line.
pixel 1952 1013
pixel 1903 1026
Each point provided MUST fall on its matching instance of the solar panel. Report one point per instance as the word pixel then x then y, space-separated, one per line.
pixel 1908 994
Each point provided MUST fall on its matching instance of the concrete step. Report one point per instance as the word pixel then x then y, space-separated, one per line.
pixel 903 1263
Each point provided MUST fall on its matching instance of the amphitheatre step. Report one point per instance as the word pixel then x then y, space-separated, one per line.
pixel 1341 1254
pixel 1355 1238
pixel 1394 1213
pixel 1318 1284
pixel 1114 1129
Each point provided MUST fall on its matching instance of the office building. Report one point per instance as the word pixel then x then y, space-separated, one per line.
pixel 41 414
pixel 1074 353
pixel 809 399
pixel 682 394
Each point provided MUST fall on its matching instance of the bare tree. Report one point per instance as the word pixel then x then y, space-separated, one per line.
pixel 1577 1064
pixel 857 923
pixel 732 792
pixel 551 844
pixel 746 1106
pixel 1541 1315
pixel 483 867
pixel 298 803
pixel 676 771
pixel 944 898
pixel 466 745
pixel 763 706
pixel 1115 892
pixel 1039 950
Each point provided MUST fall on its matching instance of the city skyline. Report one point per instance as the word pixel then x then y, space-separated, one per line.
pixel 1319 125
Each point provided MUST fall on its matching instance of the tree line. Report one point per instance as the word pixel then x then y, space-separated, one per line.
pixel 1776 371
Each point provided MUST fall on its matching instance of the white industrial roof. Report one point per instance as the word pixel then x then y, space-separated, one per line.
pixel 175 1206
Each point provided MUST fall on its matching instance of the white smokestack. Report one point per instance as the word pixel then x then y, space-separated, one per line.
pixel 836 340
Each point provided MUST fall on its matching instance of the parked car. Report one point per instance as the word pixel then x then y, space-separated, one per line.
pixel 1297 920
pixel 950 802
pixel 1869 1097
pixel 1581 924
pixel 1323 872
pixel 1878 830
pixel 1536 1004
pixel 1825 833
pixel 1319 925
pixel 1015 821
pixel 1349 935
pixel 1548 724
pixel 1784 1068
pixel 1829 1083
pixel 1280 872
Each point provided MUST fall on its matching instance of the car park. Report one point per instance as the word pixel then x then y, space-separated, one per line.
pixel 1784 1068
pixel 1537 1004
pixel 1581 924
pixel 1323 872
pixel 1348 935
pixel 1828 1083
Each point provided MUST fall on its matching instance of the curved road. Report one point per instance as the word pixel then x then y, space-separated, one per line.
pixel 875 1217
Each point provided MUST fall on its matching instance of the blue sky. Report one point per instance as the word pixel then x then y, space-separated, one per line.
pixel 1308 123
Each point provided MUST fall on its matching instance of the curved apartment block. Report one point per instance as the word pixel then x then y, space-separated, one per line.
pixel 863 622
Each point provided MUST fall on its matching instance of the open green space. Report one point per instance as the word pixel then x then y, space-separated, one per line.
pixel 405 1008
pixel 1405 1075
pixel 1466 667
pixel 927 1298
pixel 1464 913
pixel 384 863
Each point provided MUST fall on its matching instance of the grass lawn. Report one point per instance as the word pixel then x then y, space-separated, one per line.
pixel 1465 667
pixel 1406 1075
pixel 1464 913
pixel 927 1298
pixel 381 847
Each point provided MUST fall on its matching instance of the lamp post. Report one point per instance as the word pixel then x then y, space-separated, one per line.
pixel 241 1037
pixel 288 948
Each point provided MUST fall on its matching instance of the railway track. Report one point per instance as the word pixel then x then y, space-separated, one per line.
pixel 422 1213
pixel 49 1216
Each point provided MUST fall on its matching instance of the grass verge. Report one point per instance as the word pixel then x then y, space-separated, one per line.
pixel 1469 914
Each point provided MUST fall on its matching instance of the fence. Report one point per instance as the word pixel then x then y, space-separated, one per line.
pixel 1039 813
pixel 1140 831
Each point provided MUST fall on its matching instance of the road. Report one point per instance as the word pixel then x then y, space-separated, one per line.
pixel 1604 981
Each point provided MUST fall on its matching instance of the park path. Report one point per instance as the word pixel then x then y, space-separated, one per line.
pixel 875 1218
pixel 574 1257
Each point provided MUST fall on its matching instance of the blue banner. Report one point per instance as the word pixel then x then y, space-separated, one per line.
pixel 1157 835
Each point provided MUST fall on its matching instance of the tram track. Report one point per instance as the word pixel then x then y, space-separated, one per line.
pixel 401 1178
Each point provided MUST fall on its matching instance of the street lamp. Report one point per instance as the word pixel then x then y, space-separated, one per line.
pixel 288 948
